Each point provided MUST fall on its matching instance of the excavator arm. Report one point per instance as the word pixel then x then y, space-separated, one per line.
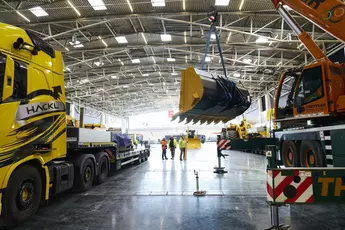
pixel 327 14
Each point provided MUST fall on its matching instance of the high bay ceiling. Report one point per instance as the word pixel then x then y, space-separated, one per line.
pixel 117 61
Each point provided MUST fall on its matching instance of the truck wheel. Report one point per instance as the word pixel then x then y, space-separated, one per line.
pixel 290 154
pixel 311 154
pixel 138 162
pixel 103 170
pixel 22 195
pixel 84 178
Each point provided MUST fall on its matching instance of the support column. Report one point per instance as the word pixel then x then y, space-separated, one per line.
pixel 81 122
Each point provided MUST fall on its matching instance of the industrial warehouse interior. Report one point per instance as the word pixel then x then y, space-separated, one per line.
pixel 172 114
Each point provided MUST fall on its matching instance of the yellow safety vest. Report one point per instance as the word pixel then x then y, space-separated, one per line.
pixel 182 143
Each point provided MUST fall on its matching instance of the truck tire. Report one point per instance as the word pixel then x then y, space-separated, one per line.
pixel 146 156
pixel 138 162
pixel 290 154
pixel 311 154
pixel 23 195
pixel 103 170
pixel 84 177
pixel 232 134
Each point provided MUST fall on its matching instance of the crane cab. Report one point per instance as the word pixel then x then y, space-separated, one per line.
pixel 316 90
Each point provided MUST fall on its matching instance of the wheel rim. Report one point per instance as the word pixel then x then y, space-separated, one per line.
pixel 87 174
pixel 309 158
pixel 103 167
pixel 25 195
pixel 289 157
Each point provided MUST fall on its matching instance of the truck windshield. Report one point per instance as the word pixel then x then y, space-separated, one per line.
pixel 309 87
pixel 2 74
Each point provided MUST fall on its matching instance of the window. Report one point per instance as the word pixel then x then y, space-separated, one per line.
pixel 309 87
pixel 2 73
pixel 20 81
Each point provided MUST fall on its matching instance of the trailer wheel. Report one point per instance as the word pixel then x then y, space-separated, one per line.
pixel 84 177
pixel 290 154
pixel 103 170
pixel 311 154
pixel 138 162
pixel 23 195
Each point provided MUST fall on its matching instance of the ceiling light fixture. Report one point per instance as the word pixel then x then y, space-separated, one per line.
pixel 99 63
pixel 174 73
pixel 38 11
pixel 125 86
pixel 68 69
pixel 160 74
pixel 228 39
pixel 213 36
pixel 222 2
pixel 66 49
pixel 130 6
pixel 145 75
pixel 78 46
pixel 84 81
pixel 247 60
pixel 97 4
pixel 21 15
pixel 186 58
pixel 241 5
pixel 121 39
pixel 158 3
pixel 120 61
pixel 185 37
pixel 184 4
pixel 142 34
pixel 153 59
pixel 279 63
pixel 166 37
pixel 135 61
pixel 113 77
pixel 261 40
pixel 237 75
pixel 171 59
pixel 73 7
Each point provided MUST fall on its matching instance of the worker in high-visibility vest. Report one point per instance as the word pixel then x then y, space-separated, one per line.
pixel 172 144
pixel 182 145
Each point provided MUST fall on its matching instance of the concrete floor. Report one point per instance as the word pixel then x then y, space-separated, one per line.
pixel 158 195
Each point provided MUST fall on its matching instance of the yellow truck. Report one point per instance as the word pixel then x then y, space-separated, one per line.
pixel 40 155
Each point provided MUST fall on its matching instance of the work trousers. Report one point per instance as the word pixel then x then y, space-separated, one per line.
pixel 182 154
pixel 172 150
pixel 164 154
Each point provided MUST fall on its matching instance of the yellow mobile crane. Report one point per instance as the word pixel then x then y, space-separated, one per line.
pixel 40 155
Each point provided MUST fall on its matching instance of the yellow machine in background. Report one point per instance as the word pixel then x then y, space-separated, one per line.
pixel 234 131
pixel 94 126
pixel 194 141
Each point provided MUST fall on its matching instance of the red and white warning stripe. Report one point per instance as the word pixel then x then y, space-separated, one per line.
pixel 224 144
pixel 297 188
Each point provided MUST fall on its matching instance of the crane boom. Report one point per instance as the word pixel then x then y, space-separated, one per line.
pixel 327 14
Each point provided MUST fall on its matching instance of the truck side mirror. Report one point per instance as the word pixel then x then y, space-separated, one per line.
pixel 8 79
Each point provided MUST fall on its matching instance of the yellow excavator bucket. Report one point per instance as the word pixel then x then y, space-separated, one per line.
pixel 208 98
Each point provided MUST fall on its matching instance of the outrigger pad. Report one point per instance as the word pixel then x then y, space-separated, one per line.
pixel 210 98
